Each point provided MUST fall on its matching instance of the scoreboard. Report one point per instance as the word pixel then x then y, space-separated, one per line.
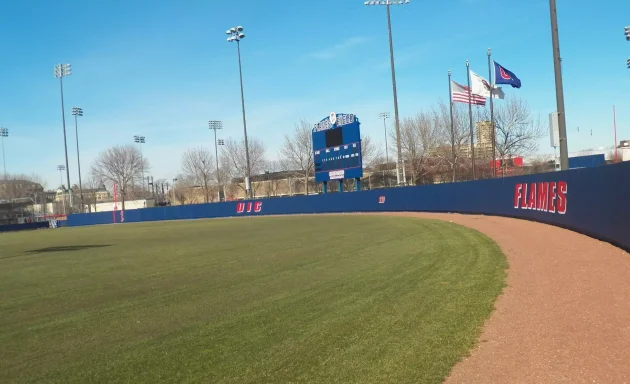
pixel 337 148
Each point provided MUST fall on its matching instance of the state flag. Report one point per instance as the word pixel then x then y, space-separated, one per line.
pixel 504 76
pixel 481 87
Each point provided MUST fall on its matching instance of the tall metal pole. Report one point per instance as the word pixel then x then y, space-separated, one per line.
pixel 450 103
pixel 4 161
pixel 386 149
pixel 557 64
pixel 142 166
pixel 240 72
pixel 61 168
pixel 174 181
pixel 385 116
pixel 214 125
pixel 388 4
pixel 236 34
pixel 492 127
pixel 78 112
pixel 141 140
pixel 615 129
pixel 396 117
pixel 4 132
pixel 65 143
pixel 472 133
pixel 216 158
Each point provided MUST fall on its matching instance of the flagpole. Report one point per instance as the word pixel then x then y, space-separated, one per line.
pixel 472 140
pixel 494 132
pixel 450 101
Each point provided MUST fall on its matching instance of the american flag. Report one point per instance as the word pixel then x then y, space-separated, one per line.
pixel 460 94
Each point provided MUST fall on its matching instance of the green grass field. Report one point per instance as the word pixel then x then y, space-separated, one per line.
pixel 260 300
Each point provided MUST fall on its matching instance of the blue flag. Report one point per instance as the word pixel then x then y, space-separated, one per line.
pixel 504 76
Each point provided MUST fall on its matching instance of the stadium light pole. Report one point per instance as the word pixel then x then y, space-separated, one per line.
pixel 236 34
pixel 76 112
pixel 214 125
pixel 62 168
pixel 61 71
pixel 4 132
pixel 627 33
pixel 174 182
pixel 140 140
pixel 385 116
pixel 557 63
pixel 388 4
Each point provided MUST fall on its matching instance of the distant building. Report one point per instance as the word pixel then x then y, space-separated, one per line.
pixel 13 189
pixel 483 144
pixel 117 206
pixel 97 194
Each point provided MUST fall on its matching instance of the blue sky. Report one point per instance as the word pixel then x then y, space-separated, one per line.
pixel 162 69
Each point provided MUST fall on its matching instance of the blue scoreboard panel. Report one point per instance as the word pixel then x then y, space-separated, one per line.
pixel 337 148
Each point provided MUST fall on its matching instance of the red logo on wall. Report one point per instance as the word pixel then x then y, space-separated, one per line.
pixel 381 199
pixel 249 207
pixel 548 196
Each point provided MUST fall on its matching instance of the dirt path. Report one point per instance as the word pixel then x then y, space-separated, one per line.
pixel 564 315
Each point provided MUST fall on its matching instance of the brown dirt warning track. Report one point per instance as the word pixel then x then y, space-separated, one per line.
pixel 564 316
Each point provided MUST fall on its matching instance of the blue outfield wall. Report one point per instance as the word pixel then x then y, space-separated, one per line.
pixel 24 227
pixel 593 201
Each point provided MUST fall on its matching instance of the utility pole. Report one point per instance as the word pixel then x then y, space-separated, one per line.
pixel 214 125
pixel 236 34
pixel 384 116
pixel 61 71
pixel 388 4
pixel 76 111
pixel 557 64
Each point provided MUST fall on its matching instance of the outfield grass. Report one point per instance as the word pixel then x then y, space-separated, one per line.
pixel 311 299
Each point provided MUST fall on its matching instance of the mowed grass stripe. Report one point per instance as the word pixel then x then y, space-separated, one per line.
pixel 309 299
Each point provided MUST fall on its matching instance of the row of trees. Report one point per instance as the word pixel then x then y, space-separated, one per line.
pixel 295 160
pixel 426 144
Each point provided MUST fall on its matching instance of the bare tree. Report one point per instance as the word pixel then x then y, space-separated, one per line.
pixel 297 152
pixel 160 191
pixel 459 139
pixel 182 195
pixel 119 165
pixel 198 166
pixel 233 161
pixel 184 190
pixel 517 132
pixel 540 164
pixel 370 151
pixel 419 136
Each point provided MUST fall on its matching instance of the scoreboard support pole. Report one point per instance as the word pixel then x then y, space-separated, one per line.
pixel 325 187
pixel 357 184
